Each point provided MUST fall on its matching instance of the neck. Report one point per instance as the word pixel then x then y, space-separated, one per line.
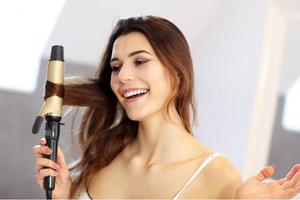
pixel 158 139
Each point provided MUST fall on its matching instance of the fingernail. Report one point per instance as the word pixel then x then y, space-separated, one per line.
pixel 49 150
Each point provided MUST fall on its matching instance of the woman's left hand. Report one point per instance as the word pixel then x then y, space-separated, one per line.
pixel 284 188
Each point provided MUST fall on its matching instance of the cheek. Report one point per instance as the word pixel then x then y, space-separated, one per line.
pixel 161 82
pixel 160 88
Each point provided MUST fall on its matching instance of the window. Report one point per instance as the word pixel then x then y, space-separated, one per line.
pixel 291 112
pixel 25 29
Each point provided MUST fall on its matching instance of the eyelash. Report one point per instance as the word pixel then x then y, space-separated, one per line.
pixel 115 69
pixel 137 62
pixel 140 62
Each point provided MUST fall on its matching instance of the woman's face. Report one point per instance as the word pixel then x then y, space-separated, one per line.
pixel 138 79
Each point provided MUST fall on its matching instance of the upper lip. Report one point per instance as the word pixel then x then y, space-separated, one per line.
pixel 124 90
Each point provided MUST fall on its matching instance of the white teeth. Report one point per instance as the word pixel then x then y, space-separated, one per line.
pixel 134 92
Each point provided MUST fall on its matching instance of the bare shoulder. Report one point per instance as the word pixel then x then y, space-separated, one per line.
pixel 219 179
pixel 225 178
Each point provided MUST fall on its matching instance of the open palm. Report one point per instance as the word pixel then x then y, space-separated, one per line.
pixel 286 187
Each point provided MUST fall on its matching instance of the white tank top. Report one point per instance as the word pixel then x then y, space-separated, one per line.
pixel 85 194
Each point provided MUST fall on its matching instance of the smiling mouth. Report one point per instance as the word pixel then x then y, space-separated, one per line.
pixel 135 94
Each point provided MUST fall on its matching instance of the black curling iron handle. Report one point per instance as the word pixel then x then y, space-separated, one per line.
pixel 51 136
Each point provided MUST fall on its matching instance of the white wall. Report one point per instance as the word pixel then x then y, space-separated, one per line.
pixel 227 60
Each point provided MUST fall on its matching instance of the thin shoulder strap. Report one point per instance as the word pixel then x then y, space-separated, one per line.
pixel 200 168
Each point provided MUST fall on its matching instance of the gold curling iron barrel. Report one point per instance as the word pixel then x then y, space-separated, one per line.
pixel 52 109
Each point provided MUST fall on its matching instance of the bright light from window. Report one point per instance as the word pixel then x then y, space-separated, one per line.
pixel 291 113
pixel 25 29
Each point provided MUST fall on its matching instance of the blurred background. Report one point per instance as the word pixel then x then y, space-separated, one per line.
pixel 247 74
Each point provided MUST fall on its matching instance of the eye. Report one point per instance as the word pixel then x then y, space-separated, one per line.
pixel 115 68
pixel 140 62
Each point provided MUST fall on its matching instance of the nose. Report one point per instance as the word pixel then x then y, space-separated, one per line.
pixel 126 73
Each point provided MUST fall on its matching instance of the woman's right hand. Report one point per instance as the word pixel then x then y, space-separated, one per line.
pixel 46 167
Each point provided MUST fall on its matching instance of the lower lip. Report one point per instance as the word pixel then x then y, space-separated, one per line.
pixel 135 98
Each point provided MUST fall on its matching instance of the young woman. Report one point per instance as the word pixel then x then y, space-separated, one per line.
pixel 136 135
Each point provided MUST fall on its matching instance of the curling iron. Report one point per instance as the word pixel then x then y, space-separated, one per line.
pixel 52 109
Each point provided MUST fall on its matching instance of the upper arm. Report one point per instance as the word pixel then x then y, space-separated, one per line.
pixel 225 177
pixel 218 180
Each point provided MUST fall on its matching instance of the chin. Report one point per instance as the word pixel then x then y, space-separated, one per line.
pixel 135 116
pixel 139 115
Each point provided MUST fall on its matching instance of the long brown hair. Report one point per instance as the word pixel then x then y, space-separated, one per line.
pixel 105 128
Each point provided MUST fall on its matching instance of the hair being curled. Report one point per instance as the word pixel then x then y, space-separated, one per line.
pixel 105 128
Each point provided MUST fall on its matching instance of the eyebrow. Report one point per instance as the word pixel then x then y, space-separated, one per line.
pixel 132 54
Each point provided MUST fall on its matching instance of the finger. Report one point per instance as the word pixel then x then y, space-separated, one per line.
pixel 294 170
pixel 44 162
pixel 282 181
pixel 39 151
pixel 291 183
pixel 298 185
pixel 265 173
pixel 297 180
pixel 46 172
pixel 43 141
pixel 298 188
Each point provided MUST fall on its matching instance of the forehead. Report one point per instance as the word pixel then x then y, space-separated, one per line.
pixel 130 42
